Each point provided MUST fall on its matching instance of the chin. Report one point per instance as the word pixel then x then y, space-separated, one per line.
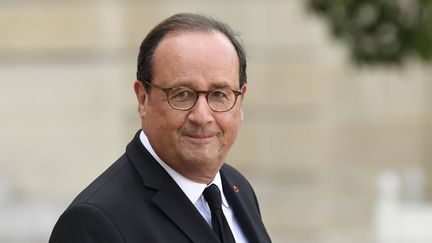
pixel 203 160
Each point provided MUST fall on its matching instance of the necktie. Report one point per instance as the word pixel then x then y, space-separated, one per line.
pixel 220 225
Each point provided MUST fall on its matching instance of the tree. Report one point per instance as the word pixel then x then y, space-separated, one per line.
pixel 380 31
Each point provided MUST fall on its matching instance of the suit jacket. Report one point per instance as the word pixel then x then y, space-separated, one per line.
pixel 136 201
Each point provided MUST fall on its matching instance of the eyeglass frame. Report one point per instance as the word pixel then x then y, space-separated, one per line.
pixel 237 93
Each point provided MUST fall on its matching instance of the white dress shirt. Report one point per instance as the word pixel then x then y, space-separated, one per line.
pixel 194 190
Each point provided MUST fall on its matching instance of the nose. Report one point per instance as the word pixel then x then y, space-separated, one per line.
pixel 201 113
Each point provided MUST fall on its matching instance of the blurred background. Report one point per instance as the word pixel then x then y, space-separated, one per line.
pixel 338 122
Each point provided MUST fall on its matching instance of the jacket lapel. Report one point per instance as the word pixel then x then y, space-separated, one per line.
pixel 174 203
pixel 245 210
pixel 169 197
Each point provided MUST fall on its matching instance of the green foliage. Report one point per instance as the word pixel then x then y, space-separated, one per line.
pixel 380 31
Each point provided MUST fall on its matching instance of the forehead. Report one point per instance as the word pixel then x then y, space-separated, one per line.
pixel 195 57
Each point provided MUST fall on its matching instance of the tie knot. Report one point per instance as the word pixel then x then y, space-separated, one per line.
pixel 213 197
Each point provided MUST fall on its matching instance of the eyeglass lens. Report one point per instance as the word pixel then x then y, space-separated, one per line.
pixel 218 100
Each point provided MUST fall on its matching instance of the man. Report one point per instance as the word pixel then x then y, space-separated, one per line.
pixel 172 185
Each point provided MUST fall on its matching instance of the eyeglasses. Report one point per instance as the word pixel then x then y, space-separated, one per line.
pixel 184 98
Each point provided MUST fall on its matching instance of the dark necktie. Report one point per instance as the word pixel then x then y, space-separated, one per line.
pixel 220 225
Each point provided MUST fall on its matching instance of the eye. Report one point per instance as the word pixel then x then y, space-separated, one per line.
pixel 220 94
pixel 180 94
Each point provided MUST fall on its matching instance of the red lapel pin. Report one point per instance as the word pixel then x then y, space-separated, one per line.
pixel 236 189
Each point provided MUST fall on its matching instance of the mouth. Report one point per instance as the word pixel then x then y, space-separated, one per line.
pixel 200 138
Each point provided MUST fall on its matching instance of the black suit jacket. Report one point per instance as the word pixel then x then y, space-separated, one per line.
pixel 136 201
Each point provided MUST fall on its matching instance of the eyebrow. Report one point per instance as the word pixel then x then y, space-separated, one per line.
pixel 222 85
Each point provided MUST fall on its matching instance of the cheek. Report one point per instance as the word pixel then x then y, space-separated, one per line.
pixel 168 121
pixel 230 125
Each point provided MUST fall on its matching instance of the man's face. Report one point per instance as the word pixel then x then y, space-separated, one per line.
pixel 195 142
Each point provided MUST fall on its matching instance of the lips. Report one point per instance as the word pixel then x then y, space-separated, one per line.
pixel 197 134
pixel 200 138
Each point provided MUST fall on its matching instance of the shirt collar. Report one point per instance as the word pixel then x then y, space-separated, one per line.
pixel 192 189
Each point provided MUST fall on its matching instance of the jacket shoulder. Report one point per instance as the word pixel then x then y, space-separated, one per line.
pixel 108 180
pixel 85 223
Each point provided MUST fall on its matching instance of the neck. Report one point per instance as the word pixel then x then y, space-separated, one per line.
pixel 199 175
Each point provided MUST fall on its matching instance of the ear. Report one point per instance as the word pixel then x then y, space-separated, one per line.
pixel 141 97
pixel 244 88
